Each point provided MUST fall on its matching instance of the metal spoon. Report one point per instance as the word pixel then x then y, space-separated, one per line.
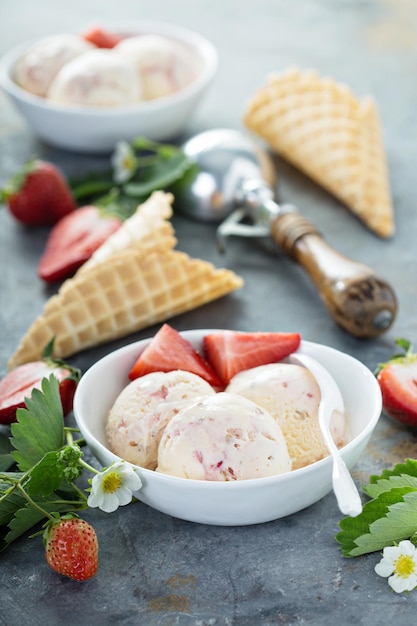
pixel 344 488
pixel 233 179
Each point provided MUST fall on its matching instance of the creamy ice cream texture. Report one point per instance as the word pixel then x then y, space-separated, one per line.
pixel 36 70
pixel 143 409
pixel 163 65
pixel 223 437
pixel 97 78
pixel 291 395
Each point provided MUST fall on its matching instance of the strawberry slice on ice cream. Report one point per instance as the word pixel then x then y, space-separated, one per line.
pixel 230 352
pixel 101 37
pixel 168 351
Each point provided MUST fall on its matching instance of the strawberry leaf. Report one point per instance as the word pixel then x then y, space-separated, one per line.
pixel 46 476
pixel 40 427
pixel 384 520
pixel 6 459
pixel 12 502
pixel 159 176
pixel 403 475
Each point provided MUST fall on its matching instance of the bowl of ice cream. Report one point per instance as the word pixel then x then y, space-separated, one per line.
pixel 191 467
pixel 77 96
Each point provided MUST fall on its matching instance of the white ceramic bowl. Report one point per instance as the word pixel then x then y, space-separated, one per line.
pixel 97 130
pixel 241 502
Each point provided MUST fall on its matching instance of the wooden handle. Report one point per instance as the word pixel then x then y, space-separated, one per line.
pixel 358 300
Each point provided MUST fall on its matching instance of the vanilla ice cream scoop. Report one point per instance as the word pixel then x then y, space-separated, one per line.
pixel 144 407
pixel 223 437
pixel 292 396
pixel 99 78
pixel 163 65
pixel 37 68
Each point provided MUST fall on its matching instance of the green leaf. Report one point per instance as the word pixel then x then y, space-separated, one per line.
pixel 10 504
pixel 394 482
pixel 46 476
pixel 390 517
pixel 40 427
pixel 409 467
pixel 26 516
pixel 6 448
pixel 159 176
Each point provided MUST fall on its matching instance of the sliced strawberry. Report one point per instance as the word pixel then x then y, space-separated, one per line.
pixel 38 194
pixel 230 352
pixel 168 351
pixel 73 240
pixel 100 37
pixel 398 382
pixel 19 383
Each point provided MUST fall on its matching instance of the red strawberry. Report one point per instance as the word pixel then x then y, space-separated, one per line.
pixel 101 38
pixel 19 383
pixel 38 195
pixel 73 240
pixel 71 548
pixel 230 352
pixel 168 351
pixel 398 382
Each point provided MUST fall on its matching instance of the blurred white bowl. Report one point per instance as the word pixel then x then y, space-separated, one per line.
pixel 97 130
pixel 241 502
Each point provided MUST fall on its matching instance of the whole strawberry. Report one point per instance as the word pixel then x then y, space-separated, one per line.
pixel 38 195
pixel 71 547
pixel 398 382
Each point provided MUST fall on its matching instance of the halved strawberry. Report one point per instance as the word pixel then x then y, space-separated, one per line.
pixel 101 37
pixel 73 240
pixel 19 383
pixel 230 352
pixel 398 382
pixel 168 351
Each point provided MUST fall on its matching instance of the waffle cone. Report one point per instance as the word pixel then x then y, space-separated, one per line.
pixel 123 294
pixel 148 229
pixel 322 129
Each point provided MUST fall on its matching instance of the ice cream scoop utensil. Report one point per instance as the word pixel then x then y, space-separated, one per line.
pixel 233 180
pixel 331 400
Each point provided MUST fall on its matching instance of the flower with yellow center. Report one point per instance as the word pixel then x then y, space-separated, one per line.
pixel 113 487
pixel 124 162
pixel 399 563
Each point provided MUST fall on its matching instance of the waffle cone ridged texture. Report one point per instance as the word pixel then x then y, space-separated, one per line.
pixel 126 291
pixel 320 127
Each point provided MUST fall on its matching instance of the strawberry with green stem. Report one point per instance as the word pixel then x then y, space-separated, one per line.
pixel 397 379
pixel 38 194
pixel 71 547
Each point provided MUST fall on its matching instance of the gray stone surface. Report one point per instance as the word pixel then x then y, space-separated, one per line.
pixel 159 571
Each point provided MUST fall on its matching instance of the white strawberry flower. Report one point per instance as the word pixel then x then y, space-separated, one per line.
pixel 399 563
pixel 113 487
pixel 123 162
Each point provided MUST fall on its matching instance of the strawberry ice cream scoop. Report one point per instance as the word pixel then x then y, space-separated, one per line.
pixel 98 78
pixel 163 65
pixel 292 396
pixel 143 409
pixel 38 67
pixel 223 437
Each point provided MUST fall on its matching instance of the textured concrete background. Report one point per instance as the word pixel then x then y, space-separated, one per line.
pixel 155 570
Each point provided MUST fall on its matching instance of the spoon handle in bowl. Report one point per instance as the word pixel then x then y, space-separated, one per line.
pixel 357 298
